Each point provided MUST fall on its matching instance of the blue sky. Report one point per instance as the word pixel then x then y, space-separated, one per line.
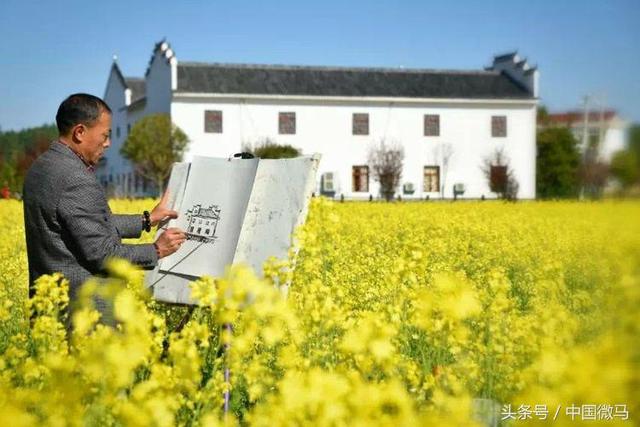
pixel 51 49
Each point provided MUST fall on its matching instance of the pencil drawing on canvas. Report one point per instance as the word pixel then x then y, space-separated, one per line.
pixel 202 223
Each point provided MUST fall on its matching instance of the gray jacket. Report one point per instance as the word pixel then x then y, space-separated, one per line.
pixel 68 224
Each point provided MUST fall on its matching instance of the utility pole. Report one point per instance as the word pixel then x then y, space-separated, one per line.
pixel 585 143
pixel 603 125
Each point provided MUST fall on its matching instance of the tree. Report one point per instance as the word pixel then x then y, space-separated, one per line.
pixel 625 167
pixel 8 173
pixel 557 163
pixel 153 145
pixel 442 154
pixel 500 175
pixel 625 164
pixel 593 173
pixel 268 148
pixel 18 150
pixel 20 141
pixel 543 115
pixel 385 160
pixel 634 139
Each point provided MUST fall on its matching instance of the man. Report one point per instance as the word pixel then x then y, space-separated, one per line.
pixel 68 224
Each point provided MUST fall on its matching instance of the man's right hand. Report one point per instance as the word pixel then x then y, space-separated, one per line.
pixel 170 241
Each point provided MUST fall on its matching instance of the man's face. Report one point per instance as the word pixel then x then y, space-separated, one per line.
pixel 94 140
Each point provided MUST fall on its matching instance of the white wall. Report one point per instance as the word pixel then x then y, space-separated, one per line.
pixel 615 139
pixel 326 127
pixel 115 98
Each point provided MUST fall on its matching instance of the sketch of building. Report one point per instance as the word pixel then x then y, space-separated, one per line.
pixel 203 223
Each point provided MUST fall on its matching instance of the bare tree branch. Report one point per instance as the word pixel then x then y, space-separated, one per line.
pixel 385 160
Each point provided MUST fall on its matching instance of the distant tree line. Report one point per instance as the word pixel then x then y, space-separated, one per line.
pixel 18 150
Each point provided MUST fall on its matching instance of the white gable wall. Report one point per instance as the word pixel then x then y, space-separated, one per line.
pixel 158 89
pixel 115 98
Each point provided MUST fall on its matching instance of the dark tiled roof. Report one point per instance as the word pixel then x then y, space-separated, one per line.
pixel 138 88
pixel 506 56
pixel 138 103
pixel 578 117
pixel 334 81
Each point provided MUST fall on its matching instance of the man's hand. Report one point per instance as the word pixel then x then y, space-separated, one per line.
pixel 170 241
pixel 161 212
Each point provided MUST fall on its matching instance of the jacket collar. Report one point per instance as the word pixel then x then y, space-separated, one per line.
pixel 62 148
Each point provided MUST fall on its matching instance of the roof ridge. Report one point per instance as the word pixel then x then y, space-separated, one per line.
pixel 333 68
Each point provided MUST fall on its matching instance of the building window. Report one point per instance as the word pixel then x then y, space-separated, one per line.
pixel 361 178
pixel 128 128
pixel 287 123
pixel 431 179
pixel 499 126
pixel 213 121
pixel 498 178
pixel 431 125
pixel 593 138
pixel 360 124
pixel 118 132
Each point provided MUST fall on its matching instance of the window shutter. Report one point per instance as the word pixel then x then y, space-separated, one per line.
pixel 287 123
pixel 499 126
pixel 431 125
pixel 213 121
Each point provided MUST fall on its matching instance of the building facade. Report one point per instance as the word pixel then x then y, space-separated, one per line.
pixel 448 122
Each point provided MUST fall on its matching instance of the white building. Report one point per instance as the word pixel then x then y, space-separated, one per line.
pixel 447 121
pixel 605 130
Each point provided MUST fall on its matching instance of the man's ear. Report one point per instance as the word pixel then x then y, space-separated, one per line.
pixel 78 132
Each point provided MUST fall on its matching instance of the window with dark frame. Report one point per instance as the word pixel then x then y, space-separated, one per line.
pixel 431 179
pixel 499 126
pixel 118 132
pixel 213 121
pixel 287 123
pixel 360 178
pixel 360 124
pixel 498 178
pixel 431 125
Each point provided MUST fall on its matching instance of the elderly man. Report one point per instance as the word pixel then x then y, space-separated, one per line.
pixel 68 223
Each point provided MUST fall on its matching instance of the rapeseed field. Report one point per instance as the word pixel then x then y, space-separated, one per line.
pixel 399 314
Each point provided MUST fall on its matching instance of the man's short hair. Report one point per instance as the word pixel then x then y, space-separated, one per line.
pixel 79 108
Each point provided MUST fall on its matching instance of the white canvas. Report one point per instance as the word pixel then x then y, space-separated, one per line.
pixel 260 203
pixel 211 213
pixel 278 204
pixel 175 188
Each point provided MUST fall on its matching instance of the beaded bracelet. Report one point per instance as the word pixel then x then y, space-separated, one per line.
pixel 146 222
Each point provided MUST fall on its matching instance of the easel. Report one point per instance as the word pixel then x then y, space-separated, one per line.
pixel 227 326
pixel 277 203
